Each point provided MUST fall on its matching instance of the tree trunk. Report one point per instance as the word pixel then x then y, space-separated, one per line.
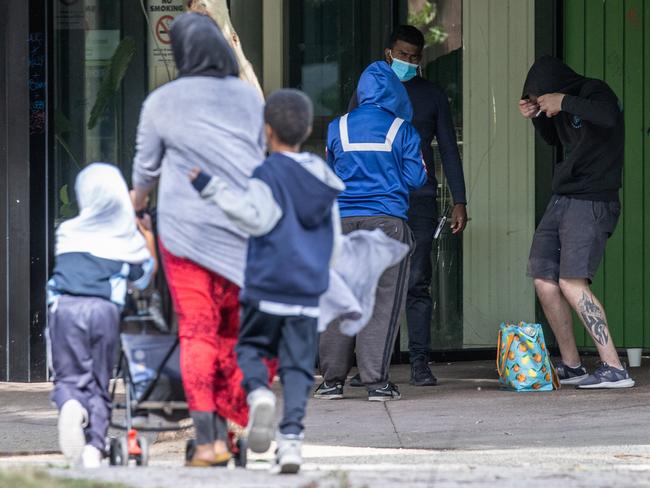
pixel 218 10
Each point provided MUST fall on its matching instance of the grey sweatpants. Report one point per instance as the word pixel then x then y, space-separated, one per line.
pixel 374 344
pixel 83 336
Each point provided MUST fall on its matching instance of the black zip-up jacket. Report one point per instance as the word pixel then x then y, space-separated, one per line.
pixel 589 128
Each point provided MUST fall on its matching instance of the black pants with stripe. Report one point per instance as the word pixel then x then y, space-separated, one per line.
pixel 374 344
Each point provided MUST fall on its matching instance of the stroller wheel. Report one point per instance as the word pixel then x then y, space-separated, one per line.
pixel 118 452
pixel 241 458
pixel 124 450
pixel 113 452
pixel 143 457
pixel 190 447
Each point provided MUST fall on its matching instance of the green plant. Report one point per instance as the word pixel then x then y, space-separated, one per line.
pixel 62 126
pixel 110 86
pixel 67 209
pixel 112 79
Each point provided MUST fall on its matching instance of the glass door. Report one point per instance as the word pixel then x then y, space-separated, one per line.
pixel 330 42
pixel 441 23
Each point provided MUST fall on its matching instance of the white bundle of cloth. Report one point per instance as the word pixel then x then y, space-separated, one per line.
pixel 350 299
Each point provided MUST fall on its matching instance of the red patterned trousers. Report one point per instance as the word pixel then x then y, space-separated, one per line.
pixel 207 306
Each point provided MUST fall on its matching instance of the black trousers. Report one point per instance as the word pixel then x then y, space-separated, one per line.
pixel 422 219
pixel 294 341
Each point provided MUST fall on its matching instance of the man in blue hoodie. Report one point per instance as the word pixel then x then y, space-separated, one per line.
pixel 289 210
pixel 376 152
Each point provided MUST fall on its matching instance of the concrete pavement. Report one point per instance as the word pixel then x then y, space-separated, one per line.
pixel 462 432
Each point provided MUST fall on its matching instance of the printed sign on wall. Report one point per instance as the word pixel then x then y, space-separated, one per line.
pixel 160 59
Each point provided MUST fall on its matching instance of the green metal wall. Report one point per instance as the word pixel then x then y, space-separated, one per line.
pixel 499 163
pixel 610 39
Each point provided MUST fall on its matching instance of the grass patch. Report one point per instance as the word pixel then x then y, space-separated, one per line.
pixel 31 478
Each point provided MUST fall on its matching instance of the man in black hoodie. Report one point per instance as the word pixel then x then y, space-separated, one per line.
pixel 582 115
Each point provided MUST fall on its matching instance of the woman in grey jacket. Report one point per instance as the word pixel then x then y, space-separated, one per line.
pixel 210 119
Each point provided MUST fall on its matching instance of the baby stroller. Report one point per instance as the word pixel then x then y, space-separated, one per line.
pixel 154 400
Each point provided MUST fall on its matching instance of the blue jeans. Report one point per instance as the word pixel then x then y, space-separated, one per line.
pixel 422 219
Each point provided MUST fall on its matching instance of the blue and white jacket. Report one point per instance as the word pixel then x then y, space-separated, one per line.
pixel 82 274
pixel 289 210
pixel 375 150
pixel 100 250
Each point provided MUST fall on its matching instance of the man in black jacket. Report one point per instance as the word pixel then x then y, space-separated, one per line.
pixel 431 118
pixel 582 115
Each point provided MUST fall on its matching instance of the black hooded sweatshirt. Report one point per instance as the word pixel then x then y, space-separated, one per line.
pixel 589 128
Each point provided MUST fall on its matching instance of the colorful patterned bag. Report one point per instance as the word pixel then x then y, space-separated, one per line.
pixel 523 362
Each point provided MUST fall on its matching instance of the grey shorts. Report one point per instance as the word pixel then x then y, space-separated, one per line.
pixel 570 239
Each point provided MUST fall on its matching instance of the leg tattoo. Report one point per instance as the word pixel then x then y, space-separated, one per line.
pixel 594 318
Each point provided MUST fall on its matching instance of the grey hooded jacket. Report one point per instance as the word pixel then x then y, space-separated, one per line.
pixel 210 119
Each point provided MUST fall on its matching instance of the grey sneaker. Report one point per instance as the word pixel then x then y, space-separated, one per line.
pixel 570 376
pixel 73 417
pixel 607 376
pixel 387 392
pixel 326 391
pixel 288 456
pixel 261 419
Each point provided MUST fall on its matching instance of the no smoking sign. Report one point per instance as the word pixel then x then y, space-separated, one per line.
pixel 162 29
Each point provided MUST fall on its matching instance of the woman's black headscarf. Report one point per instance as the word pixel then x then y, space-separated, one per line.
pixel 550 75
pixel 200 49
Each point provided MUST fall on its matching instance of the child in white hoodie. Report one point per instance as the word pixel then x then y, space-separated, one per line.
pixel 97 253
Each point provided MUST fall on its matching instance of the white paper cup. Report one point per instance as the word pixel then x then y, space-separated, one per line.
pixel 634 357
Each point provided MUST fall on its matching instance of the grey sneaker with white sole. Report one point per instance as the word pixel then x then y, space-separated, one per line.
pixel 261 419
pixel 570 376
pixel 607 376
pixel 325 391
pixel 386 393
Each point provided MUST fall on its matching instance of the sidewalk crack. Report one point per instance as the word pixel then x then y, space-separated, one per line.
pixel 390 417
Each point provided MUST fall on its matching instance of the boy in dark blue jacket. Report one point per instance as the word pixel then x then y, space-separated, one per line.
pixel 289 210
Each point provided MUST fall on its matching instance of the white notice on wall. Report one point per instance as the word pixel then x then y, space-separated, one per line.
pixel 160 58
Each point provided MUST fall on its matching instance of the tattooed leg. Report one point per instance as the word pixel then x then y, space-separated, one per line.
pixel 594 319
pixel 592 315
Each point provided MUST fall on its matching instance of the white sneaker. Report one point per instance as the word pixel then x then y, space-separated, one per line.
pixel 91 457
pixel 261 419
pixel 288 456
pixel 73 417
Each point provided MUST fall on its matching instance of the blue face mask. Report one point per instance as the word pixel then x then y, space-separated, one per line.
pixel 404 71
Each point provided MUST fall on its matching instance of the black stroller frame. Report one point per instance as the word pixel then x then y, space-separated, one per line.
pixel 134 446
